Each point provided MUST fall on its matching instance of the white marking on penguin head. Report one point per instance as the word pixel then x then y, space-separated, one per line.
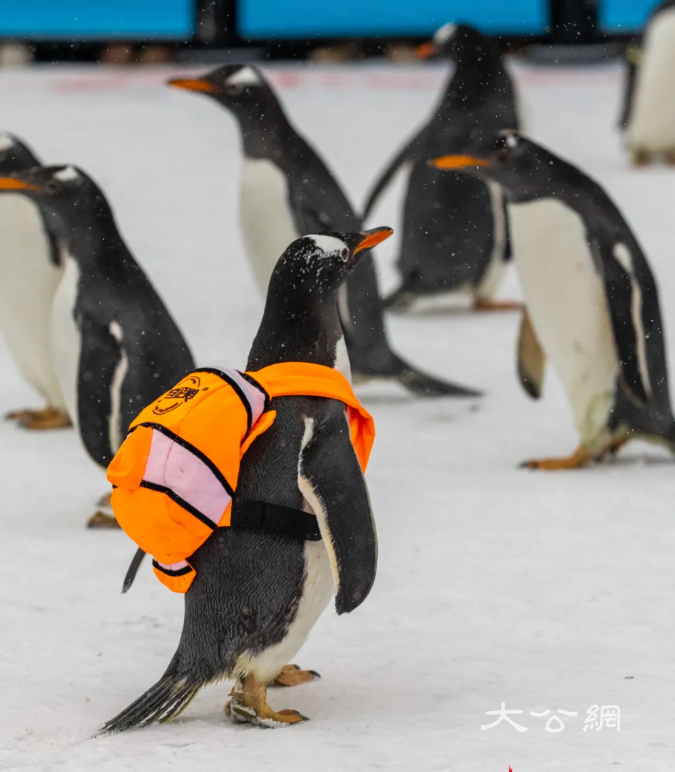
pixel 246 76
pixel 623 256
pixel 67 174
pixel 444 33
pixel 7 141
pixel 329 245
pixel 115 329
pixel 511 137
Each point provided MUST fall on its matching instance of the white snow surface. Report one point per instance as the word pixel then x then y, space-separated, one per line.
pixel 495 584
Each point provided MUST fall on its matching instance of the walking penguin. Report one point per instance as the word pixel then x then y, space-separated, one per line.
pixel 114 345
pixel 455 235
pixel 288 191
pixel 648 116
pixel 294 528
pixel 31 271
pixel 591 299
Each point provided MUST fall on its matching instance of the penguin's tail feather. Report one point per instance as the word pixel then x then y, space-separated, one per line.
pixel 400 299
pixel 160 704
pixel 418 382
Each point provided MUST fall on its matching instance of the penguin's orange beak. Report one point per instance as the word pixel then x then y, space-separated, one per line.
pixel 372 238
pixel 457 162
pixel 425 51
pixel 9 183
pixel 192 84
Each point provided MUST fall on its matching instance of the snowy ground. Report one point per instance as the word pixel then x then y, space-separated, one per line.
pixel 543 591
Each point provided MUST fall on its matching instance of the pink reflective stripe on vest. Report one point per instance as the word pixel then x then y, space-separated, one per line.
pixel 255 397
pixel 173 466
pixel 173 566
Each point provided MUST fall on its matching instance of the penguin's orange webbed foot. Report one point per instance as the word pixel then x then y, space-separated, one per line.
pixel 579 458
pixel 101 520
pixel 291 675
pixel 249 706
pixel 640 158
pixel 485 304
pixel 40 420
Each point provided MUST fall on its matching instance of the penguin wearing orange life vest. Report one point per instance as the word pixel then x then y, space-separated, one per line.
pixel 258 591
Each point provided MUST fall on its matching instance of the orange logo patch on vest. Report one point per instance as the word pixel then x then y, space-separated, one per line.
pixel 181 394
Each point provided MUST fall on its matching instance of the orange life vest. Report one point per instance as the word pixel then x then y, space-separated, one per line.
pixel 175 474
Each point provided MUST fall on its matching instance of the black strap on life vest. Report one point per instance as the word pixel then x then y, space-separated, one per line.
pixel 255 515
pixel 260 515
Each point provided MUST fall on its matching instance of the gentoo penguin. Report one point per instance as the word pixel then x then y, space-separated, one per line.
pixel 115 347
pixel 648 116
pixel 454 230
pixel 257 594
pixel 30 268
pixel 288 191
pixel 591 300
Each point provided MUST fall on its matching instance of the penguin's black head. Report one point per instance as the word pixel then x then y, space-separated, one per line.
pixel 524 169
pixel 451 39
pixel 65 194
pixel 314 267
pixel 240 87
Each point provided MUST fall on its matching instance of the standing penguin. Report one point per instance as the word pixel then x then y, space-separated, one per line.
pixel 455 231
pixel 258 592
pixel 591 300
pixel 288 191
pixel 648 116
pixel 115 347
pixel 31 271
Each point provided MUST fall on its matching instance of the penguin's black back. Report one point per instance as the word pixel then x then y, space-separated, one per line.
pixel 448 224
pixel 116 290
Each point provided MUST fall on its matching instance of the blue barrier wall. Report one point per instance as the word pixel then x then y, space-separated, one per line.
pixel 82 19
pixel 624 15
pixel 289 19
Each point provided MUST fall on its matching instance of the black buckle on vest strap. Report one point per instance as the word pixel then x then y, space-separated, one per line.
pixel 274 517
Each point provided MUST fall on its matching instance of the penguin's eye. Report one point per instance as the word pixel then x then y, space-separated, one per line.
pixel 233 89
pixel 345 254
pixel 502 154
pixel 52 186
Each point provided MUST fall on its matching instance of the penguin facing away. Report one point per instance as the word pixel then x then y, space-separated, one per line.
pixel 31 271
pixel 648 116
pixel 287 187
pixel 591 300
pixel 454 227
pixel 115 347
pixel 258 593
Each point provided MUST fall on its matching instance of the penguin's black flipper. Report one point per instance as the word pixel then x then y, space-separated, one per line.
pixel 531 358
pixel 100 357
pixel 633 56
pixel 133 570
pixel 331 480
pixel 625 298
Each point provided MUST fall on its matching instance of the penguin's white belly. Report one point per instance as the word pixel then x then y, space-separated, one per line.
pixel 316 594
pixel 266 218
pixel 565 297
pixel 29 282
pixel 652 122
pixel 66 336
